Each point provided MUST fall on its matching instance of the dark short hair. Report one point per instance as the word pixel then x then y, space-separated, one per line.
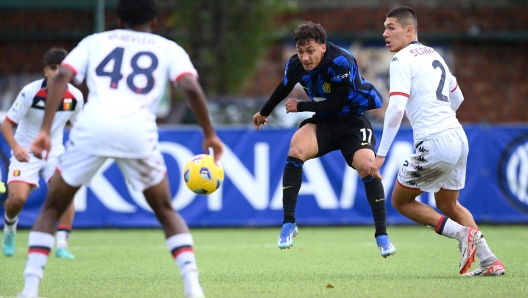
pixel 137 12
pixel 54 56
pixel 405 16
pixel 309 31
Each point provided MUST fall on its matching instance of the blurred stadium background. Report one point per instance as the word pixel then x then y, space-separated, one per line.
pixel 240 48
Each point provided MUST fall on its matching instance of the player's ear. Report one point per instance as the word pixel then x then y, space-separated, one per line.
pixel 323 47
pixel 410 30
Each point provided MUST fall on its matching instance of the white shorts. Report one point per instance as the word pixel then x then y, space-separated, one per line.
pixel 30 172
pixel 438 163
pixel 78 167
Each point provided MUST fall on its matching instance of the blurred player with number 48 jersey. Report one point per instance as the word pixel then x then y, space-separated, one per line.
pixel 422 86
pixel 27 113
pixel 126 71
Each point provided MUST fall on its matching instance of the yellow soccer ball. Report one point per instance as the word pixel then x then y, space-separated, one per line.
pixel 202 175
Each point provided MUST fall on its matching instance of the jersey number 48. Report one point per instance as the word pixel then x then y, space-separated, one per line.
pixel 115 74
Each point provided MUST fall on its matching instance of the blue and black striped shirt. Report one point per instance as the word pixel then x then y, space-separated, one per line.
pixel 338 70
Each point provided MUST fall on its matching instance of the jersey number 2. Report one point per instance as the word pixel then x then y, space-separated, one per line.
pixel 115 74
pixel 441 84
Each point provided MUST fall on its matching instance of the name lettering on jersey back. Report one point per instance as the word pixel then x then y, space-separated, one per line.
pixel 132 38
pixel 422 51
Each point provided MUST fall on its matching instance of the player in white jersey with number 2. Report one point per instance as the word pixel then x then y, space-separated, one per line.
pixel 25 169
pixel 126 71
pixel 422 86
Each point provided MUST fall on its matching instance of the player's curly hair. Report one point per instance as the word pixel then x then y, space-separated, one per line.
pixel 309 31
pixel 137 12
pixel 54 56
pixel 405 16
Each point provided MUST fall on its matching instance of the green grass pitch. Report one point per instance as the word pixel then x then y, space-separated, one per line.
pixel 246 263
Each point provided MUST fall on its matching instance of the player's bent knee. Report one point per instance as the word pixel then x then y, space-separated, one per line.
pixel 363 169
pixel 297 153
pixel 17 200
pixel 445 206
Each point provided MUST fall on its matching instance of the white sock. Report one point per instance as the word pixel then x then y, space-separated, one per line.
pixel 486 257
pixel 40 245
pixel 180 246
pixel 63 235
pixel 452 229
pixel 10 224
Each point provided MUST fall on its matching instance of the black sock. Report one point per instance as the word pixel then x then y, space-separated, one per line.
pixel 291 184
pixel 376 198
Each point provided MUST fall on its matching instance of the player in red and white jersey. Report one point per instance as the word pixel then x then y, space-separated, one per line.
pixel 25 169
pixel 126 71
pixel 422 86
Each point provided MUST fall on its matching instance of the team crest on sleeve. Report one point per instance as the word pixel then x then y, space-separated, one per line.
pixel 67 104
pixel 15 106
pixel 326 87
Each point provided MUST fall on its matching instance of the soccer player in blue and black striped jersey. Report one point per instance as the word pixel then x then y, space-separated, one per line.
pixel 330 77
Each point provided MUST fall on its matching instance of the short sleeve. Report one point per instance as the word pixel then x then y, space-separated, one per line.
pixel 80 103
pixel 77 59
pixel 181 64
pixel 453 85
pixel 400 77
pixel 20 107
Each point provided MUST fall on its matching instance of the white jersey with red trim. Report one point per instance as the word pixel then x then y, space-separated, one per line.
pixel 126 72
pixel 27 112
pixel 421 74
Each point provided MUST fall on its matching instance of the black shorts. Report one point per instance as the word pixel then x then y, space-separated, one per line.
pixel 346 133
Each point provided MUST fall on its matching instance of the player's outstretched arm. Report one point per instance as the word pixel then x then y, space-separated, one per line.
pixel 261 118
pixel 391 125
pixel 19 152
pixel 196 98
pixel 55 93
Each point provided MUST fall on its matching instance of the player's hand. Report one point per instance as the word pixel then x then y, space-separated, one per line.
pixel 21 154
pixel 41 145
pixel 216 144
pixel 259 120
pixel 291 105
pixel 374 169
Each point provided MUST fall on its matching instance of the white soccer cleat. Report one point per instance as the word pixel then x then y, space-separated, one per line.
pixel 195 293
pixel 468 247
pixel 495 269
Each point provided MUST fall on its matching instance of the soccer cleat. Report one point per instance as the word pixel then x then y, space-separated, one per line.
pixel 385 246
pixel 8 243
pixel 495 269
pixel 468 248
pixel 195 293
pixel 64 253
pixel 22 295
pixel 288 231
